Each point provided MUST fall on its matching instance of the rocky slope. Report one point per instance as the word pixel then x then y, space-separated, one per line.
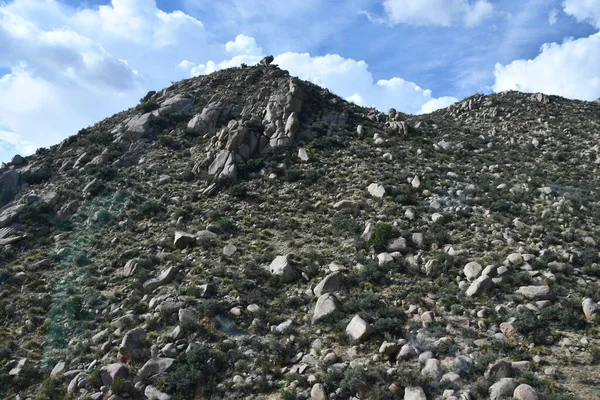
pixel 249 235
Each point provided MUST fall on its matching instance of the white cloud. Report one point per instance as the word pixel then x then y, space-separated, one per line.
pixel 437 12
pixel 436 104
pixel 70 67
pixel 569 69
pixel 347 78
pixel 243 45
pixel 584 10
pixel 553 16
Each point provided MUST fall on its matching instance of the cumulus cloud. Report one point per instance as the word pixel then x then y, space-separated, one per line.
pixel 243 45
pixel 437 12
pixel 569 69
pixel 69 67
pixel 584 10
pixel 347 78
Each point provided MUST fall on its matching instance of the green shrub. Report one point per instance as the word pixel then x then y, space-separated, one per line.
pixel 202 367
pixel 147 106
pixel 382 233
pixel 50 389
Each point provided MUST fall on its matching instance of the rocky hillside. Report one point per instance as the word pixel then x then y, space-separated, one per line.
pixel 247 235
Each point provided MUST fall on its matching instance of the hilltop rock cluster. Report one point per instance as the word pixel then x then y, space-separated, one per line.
pixel 250 235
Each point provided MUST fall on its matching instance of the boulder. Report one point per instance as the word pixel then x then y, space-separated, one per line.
pixel 183 240
pixel 376 190
pixel 414 393
pixel 131 343
pixel 525 392
pixel 433 369
pixel 331 283
pixel 18 161
pixel 165 277
pixel 503 388
pixel 111 372
pixel 138 127
pixel 281 266
pixel 479 286
pixel 535 292
pixel 327 305
pixel 303 155
pixel 472 270
pixel 318 392
pixel 153 393
pixel 398 244
pixel 155 366
pixel 591 309
pixel 11 214
pixel 359 329
pixel 131 267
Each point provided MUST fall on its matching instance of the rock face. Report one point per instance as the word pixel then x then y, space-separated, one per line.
pixel 9 186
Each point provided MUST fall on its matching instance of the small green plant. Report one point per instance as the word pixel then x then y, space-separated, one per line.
pixel 382 233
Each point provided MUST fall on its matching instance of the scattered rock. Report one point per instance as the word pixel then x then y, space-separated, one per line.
pixel 359 329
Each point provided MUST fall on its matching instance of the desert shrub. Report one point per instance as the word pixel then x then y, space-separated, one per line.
pixel 565 315
pixel 50 389
pixel 344 220
pixel 239 190
pixel 201 369
pixel 528 325
pixel 147 106
pixel 382 233
pixel 365 381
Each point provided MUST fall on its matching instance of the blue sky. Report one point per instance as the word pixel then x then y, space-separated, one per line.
pixel 66 64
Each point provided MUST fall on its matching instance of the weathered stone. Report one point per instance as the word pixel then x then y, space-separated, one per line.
pixel 165 277
pixel 535 292
pixel 282 267
pixel 11 214
pixel 130 345
pixel 155 366
pixel 525 392
pixel 472 270
pixel 479 286
pixel 183 240
pixel 503 388
pixel 591 309
pixel 327 305
pixel 153 393
pixel 318 392
pixel 111 372
pixel 359 329
pixel 398 244
pixel 414 393
pixel 376 190
pixel 331 283
pixel 132 266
